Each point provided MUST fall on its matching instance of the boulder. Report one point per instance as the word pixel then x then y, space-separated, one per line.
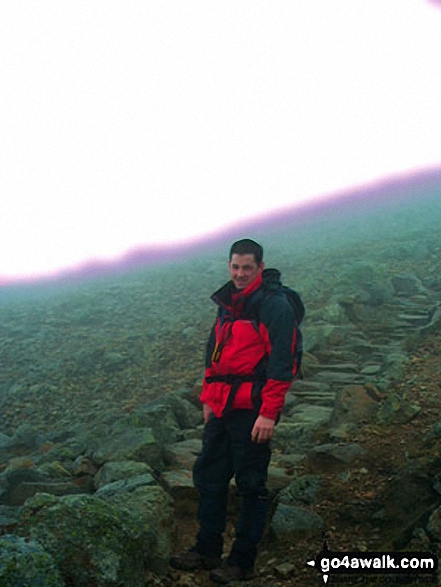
pixel 117 471
pixel 304 422
pixel 434 323
pixel 394 365
pixel 183 454
pixel 8 517
pixel 178 479
pixel 329 457
pixel 179 484
pixel 397 409
pixel 27 437
pixel 334 313
pixel 407 285
pixel 101 542
pixel 278 478
pixel 5 441
pixel 156 417
pixel 434 525
pixel 18 494
pixel 166 416
pixel 407 502
pixel 12 480
pixel 290 521
pixel 354 404
pixel 186 413
pixel 308 392
pixel 126 485
pixel 154 508
pixel 301 490
pixel 132 445
pixel 321 336
pixel 25 563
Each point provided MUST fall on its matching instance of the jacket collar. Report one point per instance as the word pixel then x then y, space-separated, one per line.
pixel 228 294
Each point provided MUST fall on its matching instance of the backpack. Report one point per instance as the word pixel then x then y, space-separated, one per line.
pixel 271 284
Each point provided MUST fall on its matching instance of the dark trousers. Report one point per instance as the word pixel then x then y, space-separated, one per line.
pixel 228 451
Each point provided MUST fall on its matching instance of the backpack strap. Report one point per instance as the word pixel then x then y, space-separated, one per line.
pixel 235 381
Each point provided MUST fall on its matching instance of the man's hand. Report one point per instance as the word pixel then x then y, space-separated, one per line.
pixel 263 429
pixel 207 411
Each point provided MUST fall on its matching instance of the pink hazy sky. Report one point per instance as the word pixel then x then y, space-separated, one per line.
pixel 148 122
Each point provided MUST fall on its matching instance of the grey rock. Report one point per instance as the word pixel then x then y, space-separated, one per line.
pixel 157 417
pixel 117 471
pixel 333 313
pixel 321 336
pixel 182 455
pixel 179 485
pixel 5 441
pixel 327 455
pixel 309 392
pixel 54 470
pixel 302 490
pixel 101 542
pixel 336 378
pixel 278 479
pixel 285 570
pixel 395 364
pixel 289 521
pixel 154 508
pixel 12 479
pixel 167 415
pixel 26 436
pixel 8 516
pixel 434 433
pixel 186 413
pixel 434 323
pixel 434 525
pixel 408 499
pixel 133 445
pixel 305 421
pixel 290 461
pixel 18 494
pixel 353 405
pixel 371 370
pixel 407 284
pixel 397 409
pixel 25 563
pixel 437 483
pixel 126 485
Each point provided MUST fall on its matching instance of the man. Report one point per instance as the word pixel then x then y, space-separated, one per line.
pixel 250 363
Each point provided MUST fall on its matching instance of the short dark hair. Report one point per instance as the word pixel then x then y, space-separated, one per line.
pixel 246 246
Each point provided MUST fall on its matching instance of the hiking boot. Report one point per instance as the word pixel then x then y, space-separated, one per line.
pixel 193 561
pixel 228 573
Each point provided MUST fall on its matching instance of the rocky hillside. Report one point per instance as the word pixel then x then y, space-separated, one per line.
pixel 99 417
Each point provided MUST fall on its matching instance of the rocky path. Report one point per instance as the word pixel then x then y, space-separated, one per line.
pixel 349 499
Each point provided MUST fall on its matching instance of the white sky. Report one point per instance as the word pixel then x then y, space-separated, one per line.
pixel 134 122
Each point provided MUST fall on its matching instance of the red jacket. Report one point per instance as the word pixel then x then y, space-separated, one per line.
pixel 255 341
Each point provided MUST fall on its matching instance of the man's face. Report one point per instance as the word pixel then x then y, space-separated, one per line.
pixel 244 270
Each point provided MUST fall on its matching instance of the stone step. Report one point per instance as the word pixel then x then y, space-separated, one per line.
pixel 340 367
pixel 339 377
pixel 322 399
pixel 335 355
pixel 371 369
pixel 412 320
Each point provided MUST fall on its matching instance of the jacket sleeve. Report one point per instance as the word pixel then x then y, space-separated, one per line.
pixel 277 315
pixel 210 346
